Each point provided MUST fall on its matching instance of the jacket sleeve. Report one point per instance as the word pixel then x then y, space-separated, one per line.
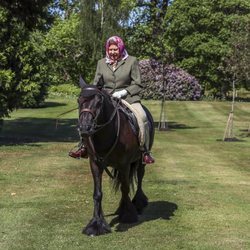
pixel 136 86
pixel 98 80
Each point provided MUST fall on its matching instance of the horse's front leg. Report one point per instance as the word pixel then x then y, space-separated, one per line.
pixel 97 225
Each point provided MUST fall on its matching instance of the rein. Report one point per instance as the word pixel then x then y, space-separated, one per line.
pixel 103 159
pixel 100 127
pixel 57 120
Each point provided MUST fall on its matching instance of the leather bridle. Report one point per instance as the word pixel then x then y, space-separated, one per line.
pixel 98 127
pixel 93 113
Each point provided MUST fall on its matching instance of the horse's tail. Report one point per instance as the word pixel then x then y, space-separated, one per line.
pixel 118 178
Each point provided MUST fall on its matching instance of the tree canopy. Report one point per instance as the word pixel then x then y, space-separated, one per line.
pixel 98 21
pixel 51 42
pixel 146 29
pixel 199 33
pixel 19 73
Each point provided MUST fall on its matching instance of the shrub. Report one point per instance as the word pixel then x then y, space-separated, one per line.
pixel 33 93
pixel 167 80
pixel 31 78
pixel 64 90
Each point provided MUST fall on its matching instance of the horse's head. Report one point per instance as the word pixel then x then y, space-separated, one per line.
pixel 91 103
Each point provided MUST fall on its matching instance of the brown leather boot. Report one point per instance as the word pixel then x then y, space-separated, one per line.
pixel 147 158
pixel 79 153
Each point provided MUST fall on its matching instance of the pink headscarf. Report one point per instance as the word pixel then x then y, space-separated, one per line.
pixel 120 44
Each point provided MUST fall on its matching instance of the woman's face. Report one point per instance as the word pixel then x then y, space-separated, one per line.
pixel 114 53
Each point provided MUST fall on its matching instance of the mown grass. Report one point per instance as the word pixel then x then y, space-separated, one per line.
pixel 198 188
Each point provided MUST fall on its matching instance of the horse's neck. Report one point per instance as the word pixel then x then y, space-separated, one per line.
pixel 106 136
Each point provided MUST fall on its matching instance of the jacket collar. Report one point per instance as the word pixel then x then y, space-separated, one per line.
pixel 118 65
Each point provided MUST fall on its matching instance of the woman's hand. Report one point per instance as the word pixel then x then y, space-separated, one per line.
pixel 120 94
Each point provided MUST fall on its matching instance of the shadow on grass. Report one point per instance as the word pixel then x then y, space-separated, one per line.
pixel 234 139
pixel 173 126
pixel 155 210
pixel 52 104
pixel 245 133
pixel 28 130
pixel 239 99
pixel 32 130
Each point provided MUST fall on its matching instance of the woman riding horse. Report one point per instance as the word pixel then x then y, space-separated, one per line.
pixel 120 76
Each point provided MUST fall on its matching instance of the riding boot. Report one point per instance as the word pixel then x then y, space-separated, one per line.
pixel 147 158
pixel 81 152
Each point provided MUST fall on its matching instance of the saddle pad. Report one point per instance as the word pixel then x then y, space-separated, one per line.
pixel 125 107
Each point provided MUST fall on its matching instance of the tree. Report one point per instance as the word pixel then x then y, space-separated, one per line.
pixel 65 57
pixel 29 12
pixel 237 63
pixel 63 9
pixel 199 33
pixel 99 19
pixel 18 73
pixel 146 29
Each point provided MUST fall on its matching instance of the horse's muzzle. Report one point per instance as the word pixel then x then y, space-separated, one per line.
pixel 87 129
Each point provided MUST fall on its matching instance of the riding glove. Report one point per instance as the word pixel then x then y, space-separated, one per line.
pixel 120 94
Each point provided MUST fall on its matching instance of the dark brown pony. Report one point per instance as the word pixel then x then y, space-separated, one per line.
pixel 111 141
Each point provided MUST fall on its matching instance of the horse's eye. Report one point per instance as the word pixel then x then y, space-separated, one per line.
pixel 81 100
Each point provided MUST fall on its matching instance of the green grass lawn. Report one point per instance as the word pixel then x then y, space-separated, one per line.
pixel 198 189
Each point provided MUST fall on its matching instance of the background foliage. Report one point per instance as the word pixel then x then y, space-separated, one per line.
pixel 22 58
pixel 168 82
pixel 51 42
pixel 65 57
pixel 201 33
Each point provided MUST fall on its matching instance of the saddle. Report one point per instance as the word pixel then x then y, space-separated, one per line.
pixel 131 118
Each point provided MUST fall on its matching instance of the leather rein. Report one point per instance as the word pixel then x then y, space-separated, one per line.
pixel 99 127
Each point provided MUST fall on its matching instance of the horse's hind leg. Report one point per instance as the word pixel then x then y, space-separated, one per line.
pixel 140 200
pixel 97 224
pixel 126 211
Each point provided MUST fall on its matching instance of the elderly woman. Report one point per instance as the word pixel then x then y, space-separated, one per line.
pixel 121 77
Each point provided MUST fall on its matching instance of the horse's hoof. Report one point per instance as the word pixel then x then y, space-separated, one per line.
pixel 127 212
pixel 128 218
pixel 140 201
pixel 96 227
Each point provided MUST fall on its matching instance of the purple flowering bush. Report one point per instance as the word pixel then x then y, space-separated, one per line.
pixel 170 80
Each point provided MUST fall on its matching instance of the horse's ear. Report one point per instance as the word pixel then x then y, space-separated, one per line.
pixel 82 83
pixel 100 82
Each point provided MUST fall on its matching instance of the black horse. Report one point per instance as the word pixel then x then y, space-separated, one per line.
pixel 111 141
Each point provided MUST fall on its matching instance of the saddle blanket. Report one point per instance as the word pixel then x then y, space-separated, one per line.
pixel 136 121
